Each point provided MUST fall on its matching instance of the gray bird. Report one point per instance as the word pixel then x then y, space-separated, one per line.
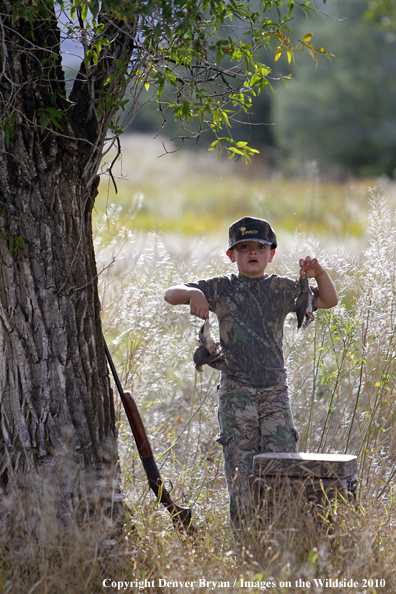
pixel 304 305
pixel 208 352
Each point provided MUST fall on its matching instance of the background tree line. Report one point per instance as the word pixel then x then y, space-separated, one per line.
pixel 341 113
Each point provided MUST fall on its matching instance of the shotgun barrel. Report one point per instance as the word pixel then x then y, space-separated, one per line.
pixel 181 516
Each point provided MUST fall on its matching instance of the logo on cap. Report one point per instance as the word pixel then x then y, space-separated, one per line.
pixel 244 232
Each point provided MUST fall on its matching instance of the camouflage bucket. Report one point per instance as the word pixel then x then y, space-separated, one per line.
pixel 321 478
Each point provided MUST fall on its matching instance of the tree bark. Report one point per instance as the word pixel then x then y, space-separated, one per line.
pixel 56 405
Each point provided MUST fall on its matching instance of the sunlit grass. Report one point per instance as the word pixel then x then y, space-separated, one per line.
pixel 191 193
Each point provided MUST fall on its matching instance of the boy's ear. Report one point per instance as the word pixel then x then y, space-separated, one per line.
pixel 230 254
pixel 272 254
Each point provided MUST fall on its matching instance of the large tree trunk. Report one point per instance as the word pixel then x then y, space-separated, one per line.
pixel 54 387
pixel 55 395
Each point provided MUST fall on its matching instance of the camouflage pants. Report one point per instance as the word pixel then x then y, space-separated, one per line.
pixel 252 421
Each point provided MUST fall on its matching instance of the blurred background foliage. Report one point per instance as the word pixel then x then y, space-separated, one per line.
pixel 341 113
pixel 324 139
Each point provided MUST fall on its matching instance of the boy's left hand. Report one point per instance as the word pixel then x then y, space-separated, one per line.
pixel 310 267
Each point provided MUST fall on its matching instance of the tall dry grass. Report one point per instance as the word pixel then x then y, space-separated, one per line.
pixel 341 376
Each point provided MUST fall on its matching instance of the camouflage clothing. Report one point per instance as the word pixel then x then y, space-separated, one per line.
pixel 254 408
pixel 251 314
pixel 252 421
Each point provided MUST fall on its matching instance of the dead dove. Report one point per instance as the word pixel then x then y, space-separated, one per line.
pixel 208 352
pixel 304 305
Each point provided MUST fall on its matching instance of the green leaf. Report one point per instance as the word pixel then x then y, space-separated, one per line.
pixel 157 31
pixel 168 32
pixel 171 78
pixel 43 121
pixel 56 124
pixel 84 11
pixel 106 5
pixel 112 77
pixel 226 139
pixel 43 11
pixel 167 10
pixel 94 6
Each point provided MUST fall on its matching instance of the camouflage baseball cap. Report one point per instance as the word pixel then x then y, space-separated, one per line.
pixel 251 229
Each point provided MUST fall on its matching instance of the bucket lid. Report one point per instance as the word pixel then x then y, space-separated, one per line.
pixel 305 464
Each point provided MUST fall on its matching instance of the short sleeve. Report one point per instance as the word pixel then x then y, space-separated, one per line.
pixel 208 289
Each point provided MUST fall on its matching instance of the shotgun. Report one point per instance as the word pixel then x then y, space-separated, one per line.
pixel 181 516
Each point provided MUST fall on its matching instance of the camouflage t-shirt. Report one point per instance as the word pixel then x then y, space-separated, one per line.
pixel 251 313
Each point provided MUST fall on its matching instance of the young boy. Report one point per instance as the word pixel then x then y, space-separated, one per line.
pixel 254 409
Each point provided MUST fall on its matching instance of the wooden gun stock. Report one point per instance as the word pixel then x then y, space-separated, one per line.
pixel 181 516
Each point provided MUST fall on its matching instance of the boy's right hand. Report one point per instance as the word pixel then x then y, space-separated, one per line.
pixel 182 294
pixel 199 305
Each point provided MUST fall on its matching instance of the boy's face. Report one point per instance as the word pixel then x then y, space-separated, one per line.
pixel 251 257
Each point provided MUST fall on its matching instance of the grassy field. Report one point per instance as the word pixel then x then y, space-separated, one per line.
pixel 190 193
pixel 341 377
pixel 340 371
